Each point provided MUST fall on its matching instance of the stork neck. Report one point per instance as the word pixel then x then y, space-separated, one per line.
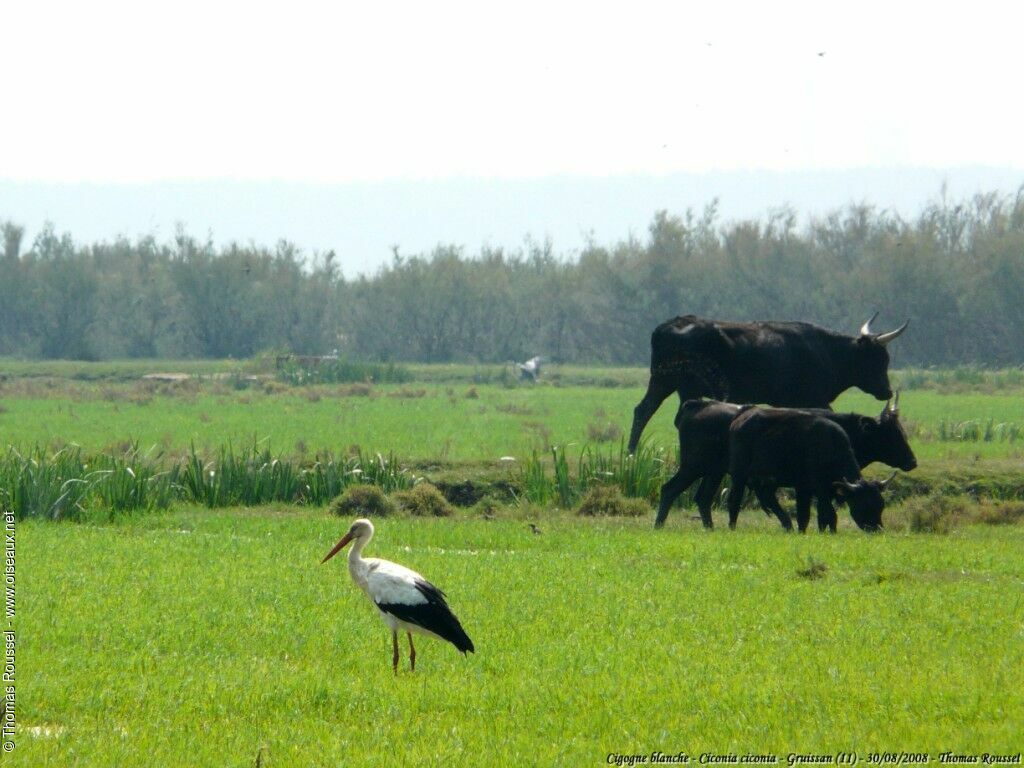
pixel 355 554
pixel 357 567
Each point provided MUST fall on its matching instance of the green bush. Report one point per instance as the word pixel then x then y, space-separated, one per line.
pixel 423 500
pixel 607 500
pixel 362 500
pixel 1001 512
pixel 488 506
pixel 936 513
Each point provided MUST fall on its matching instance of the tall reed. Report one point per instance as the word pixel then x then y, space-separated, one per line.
pixel 66 484
pixel 639 475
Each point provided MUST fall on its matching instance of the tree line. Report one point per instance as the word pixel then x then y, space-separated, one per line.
pixel 956 270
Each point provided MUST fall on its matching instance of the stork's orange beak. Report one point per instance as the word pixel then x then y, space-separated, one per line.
pixel 337 547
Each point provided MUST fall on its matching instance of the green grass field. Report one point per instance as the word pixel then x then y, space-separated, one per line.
pixel 198 638
pixel 425 421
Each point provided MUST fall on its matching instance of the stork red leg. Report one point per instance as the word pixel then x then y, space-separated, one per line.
pixel 412 654
pixel 394 656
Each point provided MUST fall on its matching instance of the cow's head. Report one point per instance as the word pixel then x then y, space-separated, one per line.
pixel 871 368
pixel 884 440
pixel 864 498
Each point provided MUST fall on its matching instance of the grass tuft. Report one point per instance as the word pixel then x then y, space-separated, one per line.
pixel 815 570
pixel 1000 512
pixel 604 432
pixel 607 500
pixel 423 500
pixel 362 501
pixel 936 513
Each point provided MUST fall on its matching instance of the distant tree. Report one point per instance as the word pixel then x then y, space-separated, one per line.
pixel 12 235
pixel 956 270
pixel 65 297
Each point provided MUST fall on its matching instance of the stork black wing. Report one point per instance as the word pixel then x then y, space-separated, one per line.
pixel 434 616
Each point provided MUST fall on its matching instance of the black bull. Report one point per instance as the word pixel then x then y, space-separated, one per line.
pixel 786 364
pixel 704 449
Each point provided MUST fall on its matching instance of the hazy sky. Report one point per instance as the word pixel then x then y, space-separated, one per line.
pixel 140 91
pixel 104 102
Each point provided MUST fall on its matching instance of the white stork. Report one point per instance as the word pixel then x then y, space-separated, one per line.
pixel 406 600
pixel 530 369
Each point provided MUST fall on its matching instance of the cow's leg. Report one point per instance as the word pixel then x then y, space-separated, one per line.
pixel 827 517
pixel 658 389
pixel 739 484
pixel 770 503
pixel 670 491
pixel 803 509
pixel 706 496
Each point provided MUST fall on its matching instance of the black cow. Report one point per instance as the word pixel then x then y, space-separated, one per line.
pixel 704 448
pixel 775 447
pixel 794 365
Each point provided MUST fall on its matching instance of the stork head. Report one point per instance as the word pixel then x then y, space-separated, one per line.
pixel 360 529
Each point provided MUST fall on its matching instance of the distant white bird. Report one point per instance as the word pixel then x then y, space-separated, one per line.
pixel 406 600
pixel 530 369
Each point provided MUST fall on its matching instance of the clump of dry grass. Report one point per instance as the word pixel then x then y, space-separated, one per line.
pixel 357 390
pixel 815 570
pixel 1000 512
pixel 488 507
pixel 362 500
pixel 934 513
pixel 603 432
pixel 423 500
pixel 607 500
pixel 939 513
pixel 407 393
pixel 513 409
pixel 272 387
pixel 140 398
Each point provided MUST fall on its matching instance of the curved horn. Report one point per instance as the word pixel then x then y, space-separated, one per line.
pixel 883 483
pixel 892 408
pixel 865 330
pixel 885 338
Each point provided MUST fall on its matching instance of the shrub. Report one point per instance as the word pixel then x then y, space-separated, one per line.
pixel 1001 512
pixel 488 506
pixel 423 500
pixel 362 501
pixel 608 500
pixel 936 513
